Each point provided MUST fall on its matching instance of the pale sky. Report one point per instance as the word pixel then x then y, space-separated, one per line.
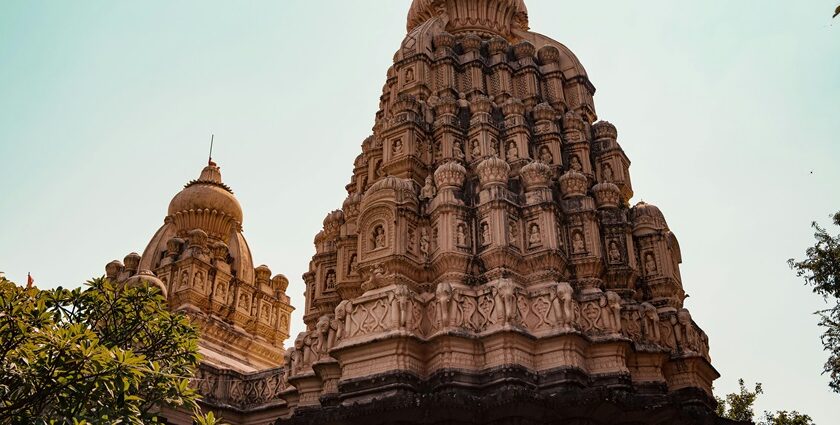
pixel 725 108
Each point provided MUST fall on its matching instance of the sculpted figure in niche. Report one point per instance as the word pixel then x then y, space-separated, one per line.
pixel 330 283
pixel 458 151
pixel 429 190
pixel 354 262
pixel 650 264
pixel 650 323
pixel 438 151
pixel 185 280
pixel 614 252
pixel 342 315
pixel 546 156
pixel 221 291
pixel 513 228
pixel 505 294
pixel 443 296
pixel 424 241
pixel 409 75
pixel 608 173
pixel 561 301
pixel 535 238
pixel 485 233
pixel 378 237
pixel 476 149
pixel 244 302
pixel 494 149
pixel 574 164
pixel 578 244
pixel 265 314
pixel 398 147
pixel 512 151
pixel 400 299
pixel 410 240
pixel 461 235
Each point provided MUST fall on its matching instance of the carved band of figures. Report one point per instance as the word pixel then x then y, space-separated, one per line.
pixel 502 304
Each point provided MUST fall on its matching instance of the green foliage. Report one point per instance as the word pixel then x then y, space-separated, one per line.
pixel 786 418
pixel 103 355
pixel 821 270
pixel 739 406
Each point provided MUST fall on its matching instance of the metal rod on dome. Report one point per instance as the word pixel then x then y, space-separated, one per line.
pixel 210 158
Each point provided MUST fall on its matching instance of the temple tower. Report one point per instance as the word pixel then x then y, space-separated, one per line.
pixel 203 265
pixel 487 249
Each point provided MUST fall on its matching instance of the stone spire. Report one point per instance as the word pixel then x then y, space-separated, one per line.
pixel 201 261
pixel 487 236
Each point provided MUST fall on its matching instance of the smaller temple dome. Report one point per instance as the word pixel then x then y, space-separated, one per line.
pixel 207 193
pixel 648 217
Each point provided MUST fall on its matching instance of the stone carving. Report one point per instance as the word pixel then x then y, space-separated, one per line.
pixel 574 164
pixel 535 237
pixel 323 338
pixel 512 151
pixel 612 302
pixel 458 151
pixel 429 191
pixel 476 149
pixel 443 295
pixel 461 235
pixel 354 263
pixel 608 173
pixel 342 313
pixel 578 244
pixel 410 240
pixel 398 147
pixel 561 301
pixel 650 264
pixel 375 279
pixel 486 238
pixel 424 242
pixel 330 281
pixel 614 252
pixel 198 281
pixel 505 294
pixel 400 306
pixel 650 323
pixel 378 237
pixel 545 156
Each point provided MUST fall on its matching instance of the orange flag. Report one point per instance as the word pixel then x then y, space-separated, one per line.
pixel 29 281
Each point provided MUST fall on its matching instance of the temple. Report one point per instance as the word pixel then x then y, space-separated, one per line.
pixel 486 267
pixel 201 261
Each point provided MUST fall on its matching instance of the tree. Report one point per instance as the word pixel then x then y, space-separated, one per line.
pixel 103 355
pixel 821 270
pixel 740 407
pixel 786 418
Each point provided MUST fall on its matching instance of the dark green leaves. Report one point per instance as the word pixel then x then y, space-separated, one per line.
pixel 101 355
